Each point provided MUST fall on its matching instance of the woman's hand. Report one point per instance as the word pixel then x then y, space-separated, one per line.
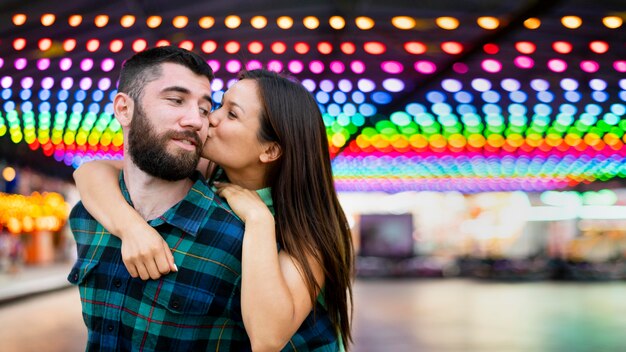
pixel 245 203
pixel 145 253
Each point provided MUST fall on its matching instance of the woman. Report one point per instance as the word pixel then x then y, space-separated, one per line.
pixel 267 136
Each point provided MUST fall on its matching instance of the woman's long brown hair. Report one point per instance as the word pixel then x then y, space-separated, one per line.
pixel 309 218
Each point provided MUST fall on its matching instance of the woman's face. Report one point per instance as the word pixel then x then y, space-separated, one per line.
pixel 232 140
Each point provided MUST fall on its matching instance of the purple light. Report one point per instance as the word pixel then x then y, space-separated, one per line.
pixel 27 82
pixel 316 67
pixel 337 67
pixel 357 67
pixel 309 84
pixel 254 65
pixel 524 62
pixel 43 64
pixel 233 66
pixel 460 67
pixel 589 66
pixel 20 63
pixel 215 65
pixel 619 66
pixel 569 84
pixel 1 62
pixel 104 84
pixel 295 66
pixel 425 67
pixel 491 65
pixel 86 64
pixel 85 83
pixel 481 84
pixel 510 84
pixel 47 83
pixel 557 65
pixel 67 83
pixel 345 85
pixel 451 85
pixel 275 66
pixel 393 85
pixel 65 64
pixel 107 65
pixel 366 85
pixel 217 85
pixel 393 67
pixel 6 82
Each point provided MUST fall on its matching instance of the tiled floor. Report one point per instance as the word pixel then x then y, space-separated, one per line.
pixel 402 315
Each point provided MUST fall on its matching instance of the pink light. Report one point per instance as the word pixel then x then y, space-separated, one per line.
pixel 316 67
pixel 85 83
pixel 1 62
pixel 65 64
pixel 425 67
pixel 393 67
pixel 357 67
pixel 337 67
pixel 215 65
pixel 491 65
pixel 296 66
pixel 275 66
pixel 233 66
pixel 67 83
pixel 47 83
pixel 460 67
pixel 107 65
pixel 557 65
pixel 254 65
pixel 6 82
pixel 620 66
pixel 27 82
pixel 43 64
pixel 20 63
pixel 104 83
pixel 589 66
pixel 86 64
pixel 524 62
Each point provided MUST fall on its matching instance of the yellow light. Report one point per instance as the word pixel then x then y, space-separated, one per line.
pixel 532 23
pixel 311 22
pixel 154 21
pixel 571 22
pixel 488 22
pixel 180 21
pixel 101 21
pixel 8 173
pixel 403 22
pixel 364 23
pixel 75 20
pixel 48 19
pixel 206 22
pixel 258 22
pixel 448 23
pixel 232 21
pixel 612 21
pixel 19 19
pixel 337 22
pixel 284 22
pixel 127 21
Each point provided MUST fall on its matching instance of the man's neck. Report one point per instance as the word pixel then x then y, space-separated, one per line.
pixel 152 196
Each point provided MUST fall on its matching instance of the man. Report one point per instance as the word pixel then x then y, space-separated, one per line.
pixel 163 102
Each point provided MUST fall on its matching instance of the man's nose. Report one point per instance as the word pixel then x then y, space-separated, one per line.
pixel 193 118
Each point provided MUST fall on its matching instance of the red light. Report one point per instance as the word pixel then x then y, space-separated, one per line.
pixel 562 47
pixel 139 45
pixel 163 42
pixel 324 48
pixel 525 47
pixel 491 48
pixel 186 44
pixel 45 44
pixel 452 48
pixel 255 47
pixel 209 46
pixel 599 47
pixel 279 47
pixel 415 48
pixel 348 48
pixel 69 44
pixel 93 45
pixel 374 48
pixel 232 47
pixel 19 43
pixel 116 45
pixel 301 48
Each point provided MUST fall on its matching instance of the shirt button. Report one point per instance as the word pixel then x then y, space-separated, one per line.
pixel 75 277
pixel 175 304
pixel 110 328
pixel 117 283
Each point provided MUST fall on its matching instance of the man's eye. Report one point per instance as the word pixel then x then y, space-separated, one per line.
pixel 204 112
pixel 175 100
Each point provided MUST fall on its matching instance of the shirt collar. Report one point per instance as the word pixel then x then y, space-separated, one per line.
pixel 188 214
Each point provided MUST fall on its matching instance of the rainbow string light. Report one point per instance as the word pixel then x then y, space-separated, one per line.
pixel 529 114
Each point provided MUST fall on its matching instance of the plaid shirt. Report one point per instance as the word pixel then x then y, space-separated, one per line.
pixel 197 308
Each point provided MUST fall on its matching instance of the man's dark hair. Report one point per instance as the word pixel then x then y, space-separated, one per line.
pixel 145 67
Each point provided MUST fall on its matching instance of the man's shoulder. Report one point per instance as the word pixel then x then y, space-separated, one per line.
pixel 79 215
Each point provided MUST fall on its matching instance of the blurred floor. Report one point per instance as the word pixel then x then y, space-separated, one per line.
pixel 401 315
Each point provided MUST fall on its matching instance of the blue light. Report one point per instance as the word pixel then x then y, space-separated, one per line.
pixel 588 119
pixel 451 85
pixel 97 95
pixel 545 96
pixel 442 109
pixel 339 97
pixel 78 108
pixel 415 108
pixel 448 120
pixel 470 119
pixel 517 109
pixel 424 119
pixel 510 84
pixel 44 107
pixel 334 110
pixel 539 84
pixel 44 94
pixel 349 109
pixel 108 108
pixel 542 109
pixel 494 120
pixel 600 96
pixel 622 95
pixel 26 106
pixel 622 83
pixel 481 84
pixel 94 108
pixel 518 120
pixel 9 106
pixel 322 97
pixel 435 97
pixel 618 109
pixel 343 120
pixel 367 109
pixel 217 98
pixel 492 109
pixel 61 107
pixel 80 95
pixel 382 97
pixel 573 97
pixel 6 93
pixel 358 97
pixel 114 92
pixel 568 109
pixel 63 95
pixel 463 97
pixel 463 109
pixel 25 94
pixel 491 96
pixel 366 85
pixel 393 85
pixel 611 119
pixel 518 96
pixel 564 119
pixel 593 109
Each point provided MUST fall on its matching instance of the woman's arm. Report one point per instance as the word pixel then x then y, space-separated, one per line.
pixel 274 297
pixel 144 252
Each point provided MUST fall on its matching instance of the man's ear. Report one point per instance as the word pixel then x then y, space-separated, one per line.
pixel 271 153
pixel 123 107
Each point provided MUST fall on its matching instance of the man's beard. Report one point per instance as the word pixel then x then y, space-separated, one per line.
pixel 148 150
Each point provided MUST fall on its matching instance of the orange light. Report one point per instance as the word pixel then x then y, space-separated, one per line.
pixel 69 44
pixel 364 23
pixel 127 21
pixel 301 48
pixel 93 45
pixel 599 47
pixel 448 23
pixel 415 48
pixel 525 47
pixel 324 48
pixel 255 47
pixel 101 21
pixel 488 22
pixel 232 21
pixel 311 22
pixel 452 48
pixel 279 47
pixel 206 22
pixel 532 23
pixel 403 22
pixel 180 21
pixel 116 45
pixel 258 22
pixel 232 47
pixel 19 44
pixel 374 48
pixel 48 19
pixel 139 45
pixel 209 46
pixel 612 22
pixel 45 44
pixel 562 47
pixel 337 22
pixel 19 19
pixel 571 22
pixel 284 22
pixel 186 44
pixel 163 42
pixel 154 21
pixel 348 48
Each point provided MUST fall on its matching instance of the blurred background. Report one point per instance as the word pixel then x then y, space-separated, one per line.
pixel 478 148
